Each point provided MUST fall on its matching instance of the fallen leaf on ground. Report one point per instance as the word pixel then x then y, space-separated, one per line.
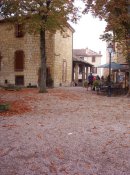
pixel 10 126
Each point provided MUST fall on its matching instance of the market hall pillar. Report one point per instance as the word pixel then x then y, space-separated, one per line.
pixel 76 70
pixel 86 73
pixel 83 74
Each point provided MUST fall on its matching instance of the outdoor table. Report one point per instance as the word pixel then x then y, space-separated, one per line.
pixel 116 89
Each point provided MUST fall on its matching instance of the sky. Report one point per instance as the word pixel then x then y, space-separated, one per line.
pixel 87 34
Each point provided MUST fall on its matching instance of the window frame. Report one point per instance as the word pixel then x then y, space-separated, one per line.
pixel 93 59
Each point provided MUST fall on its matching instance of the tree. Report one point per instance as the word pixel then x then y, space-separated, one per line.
pixel 116 14
pixel 40 16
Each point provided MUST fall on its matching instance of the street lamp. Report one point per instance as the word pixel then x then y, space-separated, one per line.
pixel 110 50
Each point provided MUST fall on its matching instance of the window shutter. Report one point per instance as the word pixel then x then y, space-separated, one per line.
pixel 93 59
pixel 19 60
pixel 0 60
pixel 48 71
pixel 16 30
pixel 19 30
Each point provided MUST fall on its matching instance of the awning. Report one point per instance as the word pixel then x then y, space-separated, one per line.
pixel 124 68
pixel 113 66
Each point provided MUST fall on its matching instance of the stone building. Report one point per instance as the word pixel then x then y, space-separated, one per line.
pixel 118 75
pixel 80 70
pixel 91 57
pixel 20 56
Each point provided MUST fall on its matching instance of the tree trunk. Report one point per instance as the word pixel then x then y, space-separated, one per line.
pixel 43 62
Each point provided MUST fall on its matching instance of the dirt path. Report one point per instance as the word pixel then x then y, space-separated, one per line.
pixel 67 131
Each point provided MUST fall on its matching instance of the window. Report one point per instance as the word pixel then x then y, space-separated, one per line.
pixel 82 57
pixel 94 70
pixel 0 60
pixel 19 60
pixel 64 75
pixel 19 30
pixel 19 80
pixel 93 59
pixel 6 81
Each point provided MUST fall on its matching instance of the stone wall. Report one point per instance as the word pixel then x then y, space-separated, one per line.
pixel 58 48
pixel 63 56
pixel 96 63
pixel 9 44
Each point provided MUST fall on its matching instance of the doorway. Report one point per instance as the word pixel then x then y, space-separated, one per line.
pixel 19 80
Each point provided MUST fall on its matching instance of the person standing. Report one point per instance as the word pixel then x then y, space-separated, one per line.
pixel 90 80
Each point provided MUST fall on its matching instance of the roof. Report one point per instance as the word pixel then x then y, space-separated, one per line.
pixel 80 60
pixel 86 53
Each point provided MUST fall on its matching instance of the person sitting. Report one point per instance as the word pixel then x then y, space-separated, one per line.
pixel 102 81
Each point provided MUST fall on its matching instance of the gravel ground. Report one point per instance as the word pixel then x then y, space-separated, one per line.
pixel 67 131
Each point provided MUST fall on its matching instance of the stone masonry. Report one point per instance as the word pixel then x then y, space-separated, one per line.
pixel 58 51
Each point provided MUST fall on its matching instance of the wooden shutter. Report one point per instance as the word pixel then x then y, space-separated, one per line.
pixel 19 60
pixel 48 72
pixel 0 60
pixel 19 30
pixel 93 59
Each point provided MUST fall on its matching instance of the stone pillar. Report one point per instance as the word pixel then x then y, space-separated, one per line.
pixel 76 72
pixel 73 66
pixel 86 73
pixel 83 74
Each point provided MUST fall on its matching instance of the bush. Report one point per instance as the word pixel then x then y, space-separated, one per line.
pixel 96 83
pixel 4 107
pixel 85 84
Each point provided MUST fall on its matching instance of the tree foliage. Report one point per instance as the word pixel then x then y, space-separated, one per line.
pixel 48 14
pixel 114 12
pixel 117 15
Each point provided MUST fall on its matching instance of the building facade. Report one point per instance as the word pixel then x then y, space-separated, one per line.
pixel 90 57
pixel 20 56
pixel 80 70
